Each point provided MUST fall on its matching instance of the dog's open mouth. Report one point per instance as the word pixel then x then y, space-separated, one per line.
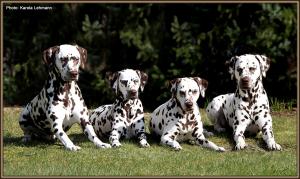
pixel 132 97
pixel 244 85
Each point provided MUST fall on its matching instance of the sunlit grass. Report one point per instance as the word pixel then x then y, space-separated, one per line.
pixel 46 159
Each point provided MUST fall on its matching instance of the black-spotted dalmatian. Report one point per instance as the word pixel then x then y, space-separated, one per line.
pixel 125 117
pixel 179 118
pixel 248 108
pixel 59 104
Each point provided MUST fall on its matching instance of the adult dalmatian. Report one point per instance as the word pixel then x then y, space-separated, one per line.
pixel 125 117
pixel 248 108
pixel 59 104
pixel 179 118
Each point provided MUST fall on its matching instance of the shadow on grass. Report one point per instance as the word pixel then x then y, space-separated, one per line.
pixel 17 141
pixel 228 135
pixel 42 143
pixel 152 138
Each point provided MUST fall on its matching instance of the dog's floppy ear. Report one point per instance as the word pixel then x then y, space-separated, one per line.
pixel 173 83
pixel 113 80
pixel 49 55
pixel 202 83
pixel 83 56
pixel 143 77
pixel 231 65
pixel 264 63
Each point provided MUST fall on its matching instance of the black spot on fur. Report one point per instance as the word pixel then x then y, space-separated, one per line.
pixel 53 117
pixel 200 141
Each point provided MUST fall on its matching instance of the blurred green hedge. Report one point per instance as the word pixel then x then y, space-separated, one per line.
pixel 164 40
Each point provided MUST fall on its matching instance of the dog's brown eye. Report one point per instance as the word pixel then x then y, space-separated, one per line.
pixel 182 93
pixel 252 69
pixel 194 92
pixel 136 81
pixel 240 70
pixel 75 59
pixel 124 82
pixel 64 60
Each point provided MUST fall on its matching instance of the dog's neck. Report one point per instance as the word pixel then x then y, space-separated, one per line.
pixel 251 95
pixel 60 88
pixel 127 104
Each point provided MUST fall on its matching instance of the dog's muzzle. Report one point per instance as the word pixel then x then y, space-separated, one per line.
pixel 73 75
pixel 245 83
pixel 132 94
pixel 189 105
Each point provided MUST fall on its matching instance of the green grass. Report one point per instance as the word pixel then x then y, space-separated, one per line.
pixel 45 159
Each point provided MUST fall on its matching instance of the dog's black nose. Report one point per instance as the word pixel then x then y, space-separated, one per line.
pixel 245 79
pixel 245 82
pixel 133 92
pixel 189 104
pixel 73 74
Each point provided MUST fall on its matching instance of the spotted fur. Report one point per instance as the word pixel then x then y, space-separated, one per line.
pixel 125 117
pixel 59 104
pixel 248 108
pixel 179 118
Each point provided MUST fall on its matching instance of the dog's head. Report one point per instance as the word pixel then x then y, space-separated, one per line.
pixel 248 69
pixel 66 59
pixel 187 91
pixel 127 82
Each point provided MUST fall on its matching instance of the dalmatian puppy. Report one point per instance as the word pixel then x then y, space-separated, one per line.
pixel 248 108
pixel 125 117
pixel 179 118
pixel 59 104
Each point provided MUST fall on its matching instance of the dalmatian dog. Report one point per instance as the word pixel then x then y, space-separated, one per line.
pixel 59 104
pixel 125 117
pixel 179 118
pixel 246 110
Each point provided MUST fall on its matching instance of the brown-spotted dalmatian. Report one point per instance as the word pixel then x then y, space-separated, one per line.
pixel 179 118
pixel 248 108
pixel 59 104
pixel 125 117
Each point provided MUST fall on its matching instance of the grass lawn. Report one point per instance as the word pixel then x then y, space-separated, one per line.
pixel 45 159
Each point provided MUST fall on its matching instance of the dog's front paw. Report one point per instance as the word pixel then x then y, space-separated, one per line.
pixel 116 144
pixel 177 146
pixel 144 143
pixel 221 149
pixel 241 145
pixel 274 146
pixel 73 147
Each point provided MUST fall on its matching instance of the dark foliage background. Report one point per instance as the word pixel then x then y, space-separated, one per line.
pixel 164 40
